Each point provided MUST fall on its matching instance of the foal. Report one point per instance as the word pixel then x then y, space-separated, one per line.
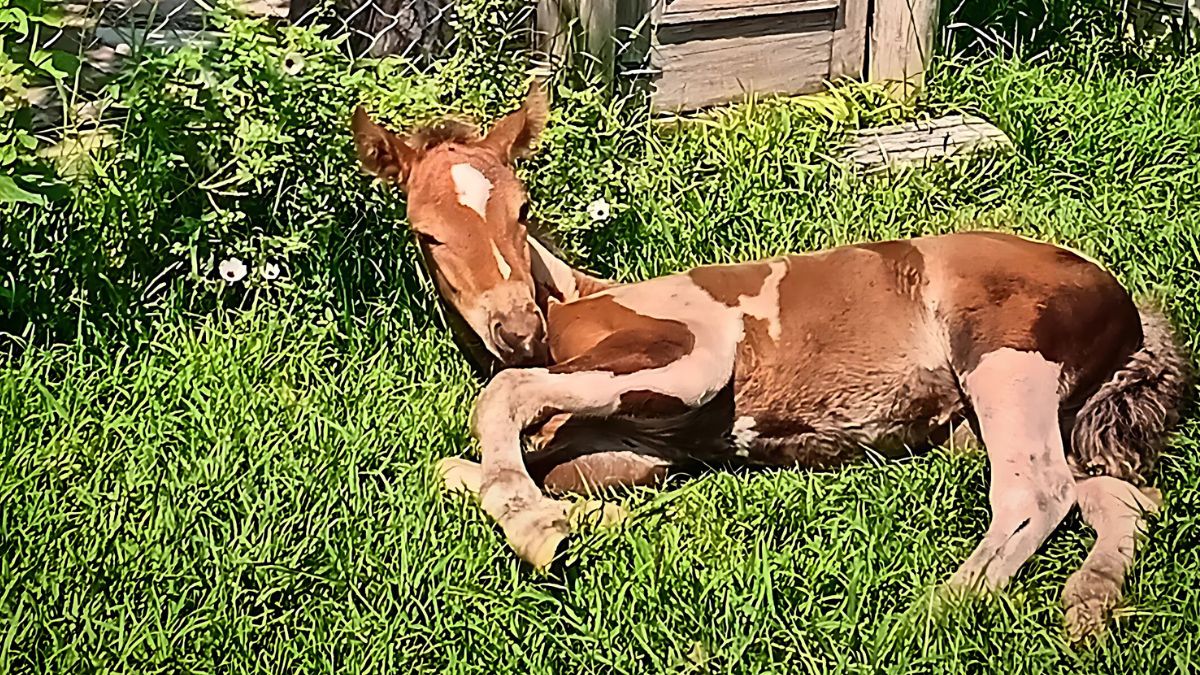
pixel 798 360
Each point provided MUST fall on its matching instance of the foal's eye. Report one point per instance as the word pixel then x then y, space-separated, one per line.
pixel 523 213
pixel 428 240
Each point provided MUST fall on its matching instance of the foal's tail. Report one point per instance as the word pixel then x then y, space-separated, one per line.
pixel 1123 427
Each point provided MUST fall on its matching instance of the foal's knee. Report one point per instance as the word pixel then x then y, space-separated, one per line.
pixel 504 401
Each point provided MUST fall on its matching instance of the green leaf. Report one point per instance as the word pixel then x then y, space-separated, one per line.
pixel 55 63
pixel 10 193
pixel 17 19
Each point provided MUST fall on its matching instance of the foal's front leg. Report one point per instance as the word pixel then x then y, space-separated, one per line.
pixel 1016 400
pixel 534 524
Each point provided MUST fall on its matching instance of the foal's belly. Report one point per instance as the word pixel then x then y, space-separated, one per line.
pixel 857 363
pixel 828 418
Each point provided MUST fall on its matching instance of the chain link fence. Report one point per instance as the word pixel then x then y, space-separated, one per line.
pixel 408 28
pixel 419 30
pixel 103 33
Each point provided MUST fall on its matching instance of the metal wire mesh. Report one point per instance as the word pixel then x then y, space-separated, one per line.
pixel 102 33
pixel 410 28
pixel 415 29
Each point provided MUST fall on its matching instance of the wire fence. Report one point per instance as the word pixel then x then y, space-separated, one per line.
pixel 415 29
pixel 103 33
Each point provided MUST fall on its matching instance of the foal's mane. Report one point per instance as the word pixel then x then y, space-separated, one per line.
pixel 445 130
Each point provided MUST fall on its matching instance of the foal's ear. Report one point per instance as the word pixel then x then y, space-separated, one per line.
pixel 381 152
pixel 516 134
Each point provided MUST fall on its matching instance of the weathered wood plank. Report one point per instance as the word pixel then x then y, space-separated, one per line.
pixel 552 35
pixel 598 20
pixel 746 28
pixel 848 57
pixel 576 33
pixel 633 32
pixel 688 11
pixel 1162 17
pixel 708 72
pixel 901 42
pixel 924 141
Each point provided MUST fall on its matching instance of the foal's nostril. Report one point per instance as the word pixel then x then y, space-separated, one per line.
pixel 512 341
pixel 519 338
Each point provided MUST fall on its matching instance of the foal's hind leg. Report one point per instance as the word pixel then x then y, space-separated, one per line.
pixel 1117 511
pixel 587 475
pixel 1015 398
pixel 583 475
pixel 571 455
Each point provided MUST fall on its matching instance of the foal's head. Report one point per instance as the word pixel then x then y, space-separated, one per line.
pixel 469 210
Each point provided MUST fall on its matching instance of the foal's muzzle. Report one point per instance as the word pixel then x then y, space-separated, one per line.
pixel 520 339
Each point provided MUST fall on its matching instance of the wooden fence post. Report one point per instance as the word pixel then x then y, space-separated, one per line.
pixel 901 43
pixel 848 57
pixel 577 34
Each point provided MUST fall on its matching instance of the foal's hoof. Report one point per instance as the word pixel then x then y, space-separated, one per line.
pixel 536 533
pixel 952 595
pixel 460 475
pixel 1088 600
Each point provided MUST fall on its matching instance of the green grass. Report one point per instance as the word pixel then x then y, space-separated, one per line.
pixel 253 493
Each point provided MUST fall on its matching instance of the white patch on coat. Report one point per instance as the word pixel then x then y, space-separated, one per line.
pixel 551 271
pixel 693 378
pixel 473 188
pixel 744 435
pixel 765 305
pixel 517 395
pixel 505 268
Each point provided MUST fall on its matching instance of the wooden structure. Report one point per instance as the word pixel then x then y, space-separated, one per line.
pixel 924 141
pixel 704 52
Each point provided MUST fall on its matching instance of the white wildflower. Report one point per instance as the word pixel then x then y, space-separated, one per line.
pixel 232 270
pixel 270 271
pixel 599 210
pixel 293 63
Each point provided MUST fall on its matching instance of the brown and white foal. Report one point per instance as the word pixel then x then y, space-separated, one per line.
pixel 798 360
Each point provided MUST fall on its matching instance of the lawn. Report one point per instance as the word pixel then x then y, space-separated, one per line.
pixel 251 489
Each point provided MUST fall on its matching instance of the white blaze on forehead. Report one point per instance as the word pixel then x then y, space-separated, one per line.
pixel 505 268
pixel 765 305
pixel 473 188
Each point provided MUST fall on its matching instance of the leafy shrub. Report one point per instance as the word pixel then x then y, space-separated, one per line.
pixel 23 179
pixel 236 150
pixel 1135 34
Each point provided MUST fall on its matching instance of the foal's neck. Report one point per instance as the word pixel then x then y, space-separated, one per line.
pixel 556 280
